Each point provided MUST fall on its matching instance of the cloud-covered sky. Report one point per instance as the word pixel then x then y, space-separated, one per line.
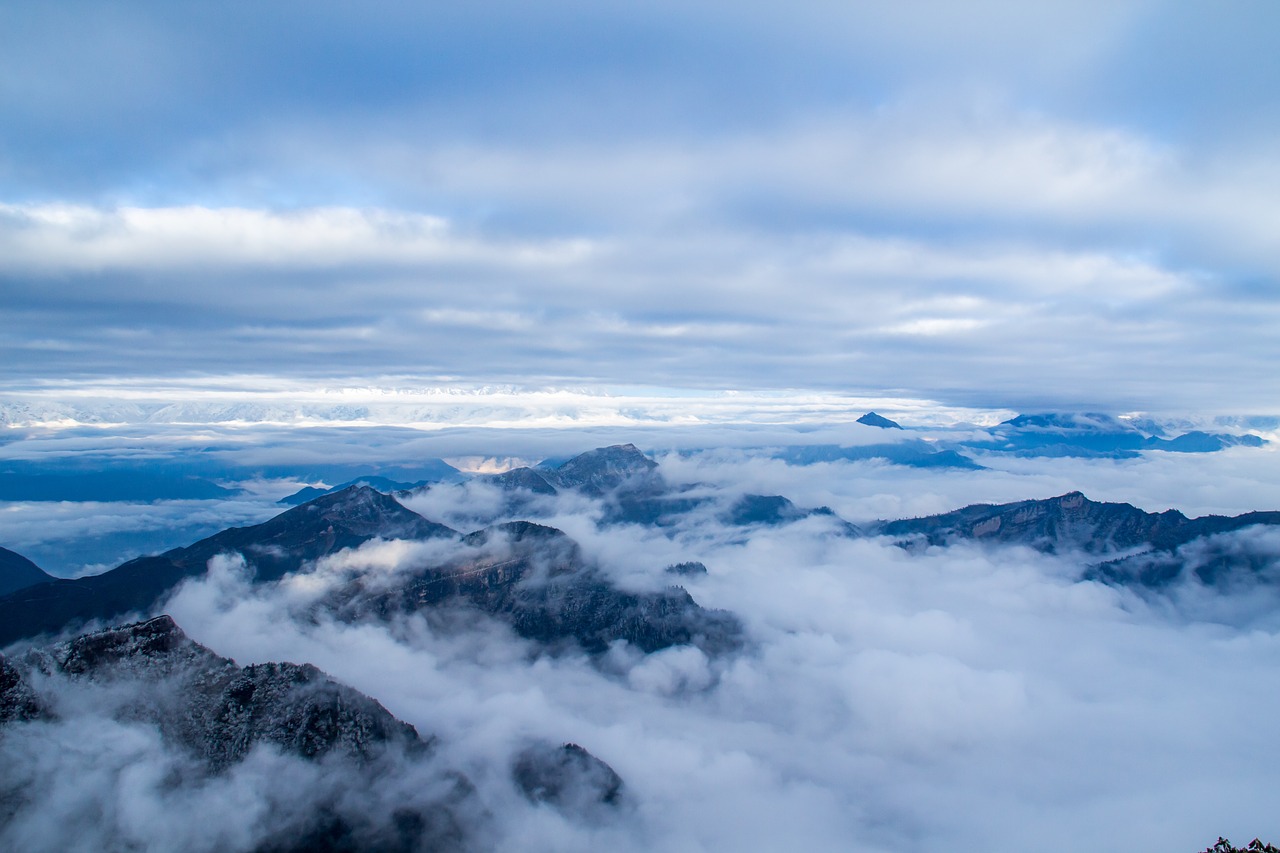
pixel 999 205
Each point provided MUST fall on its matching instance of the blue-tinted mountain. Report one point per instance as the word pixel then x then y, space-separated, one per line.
pixel 1236 559
pixel 519 478
pixel 769 510
pixel 602 469
pixel 1096 435
pixel 380 484
pixel 915 453
pixel 274 548
pixel 110 485
pixel 17 572
pixel 872 419
pixel 1069 522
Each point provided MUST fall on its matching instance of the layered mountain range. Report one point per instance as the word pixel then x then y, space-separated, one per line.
pixel 100 648
pixel 535 578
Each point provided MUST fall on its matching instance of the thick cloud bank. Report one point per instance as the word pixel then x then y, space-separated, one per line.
pixel 947 699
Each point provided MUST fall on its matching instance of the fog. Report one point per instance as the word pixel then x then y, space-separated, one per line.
pixel 951 699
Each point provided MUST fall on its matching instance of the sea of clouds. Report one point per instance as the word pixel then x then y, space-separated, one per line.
pixel 957 699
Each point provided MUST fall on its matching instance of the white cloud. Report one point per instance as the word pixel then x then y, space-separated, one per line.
pixel 57 238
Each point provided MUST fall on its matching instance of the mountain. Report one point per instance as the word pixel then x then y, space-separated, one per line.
pixel 536 579
pixel 531 576
pixel 381 484
pixel 1069 522
pixel 872 419
pixel 916 453
pixel 205 707
pixel 17 572
pixel 567 777
pixel 774 510
pixel 519 478
pixel 602 469
pixel 274 548
pixel 218 710
pixel 126 484
pixel 1093 434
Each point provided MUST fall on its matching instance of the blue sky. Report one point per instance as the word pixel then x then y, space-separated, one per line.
pixel 1048 205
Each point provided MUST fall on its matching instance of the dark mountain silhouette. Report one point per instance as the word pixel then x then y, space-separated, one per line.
pixel 1069 522
pixel 1093 434
pixel 274 548
pixel 381 484
pixel 17 572
pixel 915 453
pixel 1150 550
pixel 872 419
pixel 532 576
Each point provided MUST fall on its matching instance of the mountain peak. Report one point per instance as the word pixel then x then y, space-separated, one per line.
pixel 872 419
pixel 1089 422
pixel 17 572
pixel 603 468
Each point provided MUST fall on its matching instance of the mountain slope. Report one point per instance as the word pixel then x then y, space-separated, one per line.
pixel 1069 522
pixel 359 778
pixel 602 469
pixel 536 579
pixel 17 572
pixel 274 548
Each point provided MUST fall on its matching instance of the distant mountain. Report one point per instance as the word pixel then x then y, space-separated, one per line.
pixel 602 469
pixel 633 491
pixel 1093 434
pixel 1145 549
pixel 17 572
pixel 380 484
pixel 872 419
pixel 274 548
pixel 774 510
pixel 1069 522
pixel 915 453
pixel 519 478
pixel 128 484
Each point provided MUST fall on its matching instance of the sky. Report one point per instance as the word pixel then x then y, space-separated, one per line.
pixel 268 236
pixel 995 205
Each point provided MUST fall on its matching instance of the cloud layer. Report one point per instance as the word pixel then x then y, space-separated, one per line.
pixel 1005 207
pixel 951 699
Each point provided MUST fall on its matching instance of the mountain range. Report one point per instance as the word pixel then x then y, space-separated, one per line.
pixel 534 577
pixel 103 646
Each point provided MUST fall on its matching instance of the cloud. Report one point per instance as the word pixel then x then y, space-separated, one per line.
pixel 882 687
pixel 53 238
pixel 959 698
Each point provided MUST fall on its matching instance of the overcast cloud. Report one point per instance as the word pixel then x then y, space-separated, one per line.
pixel 1069 205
